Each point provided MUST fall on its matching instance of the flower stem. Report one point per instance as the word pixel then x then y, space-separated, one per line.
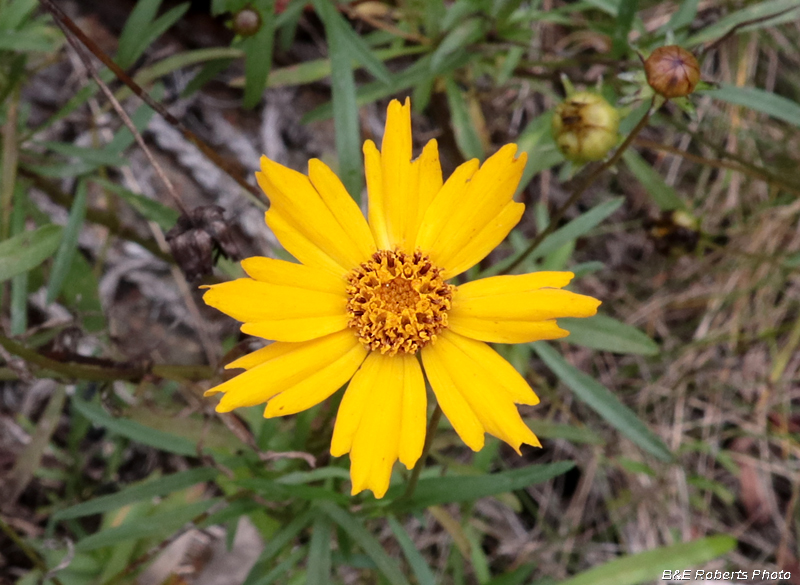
pixel 580 190
pixel 412 481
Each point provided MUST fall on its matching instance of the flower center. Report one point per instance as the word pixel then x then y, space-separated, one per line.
pixel 398 302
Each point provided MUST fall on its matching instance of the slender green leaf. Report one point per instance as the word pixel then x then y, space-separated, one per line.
pixel 158 523
pixel 368 543
pixel 27 250
pixel 319 551
pixel 608 334
pixel 356 47
pixel 135 493
pixel 69 243
pixel 27 40
pixel 258 54
pixel 19 283
pixel 277 543
pixel 274 491
pixel 422 572
pixel 568 233
pixel 13 14
pixel 649 566
pixel 518 576
pixel 755 11
pixel 299 477
pixel 467 32
pixel 664 196
pixel 164 216
pixel 157 28
pixel 759 100
pixel 683 16
pixel 575 434
pixel 467 138
pixel 448 489
pixel 624 24
pixel 602 401
pixel 345 105
pixel 91 156
pixel 135 431
pixel 143 13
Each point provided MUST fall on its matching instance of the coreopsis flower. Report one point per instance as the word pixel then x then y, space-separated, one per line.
pixel 370 303
pixel 585 127
pixel 672 71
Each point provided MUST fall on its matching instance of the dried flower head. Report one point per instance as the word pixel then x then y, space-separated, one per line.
pixel 585 127
pixel 672 71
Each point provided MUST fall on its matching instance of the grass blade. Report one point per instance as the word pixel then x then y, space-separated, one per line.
pixel 608 334
pixel 420 568
pixel 69 243
pixel 650 565
pixel 149 489
pixel 345 105
pixel 664 196
pixel 27 250
pixel 449 489
pixel 370 545
pixel 319 551
pixel 258 54
pixel 135 431
pixel 467 137
pixel 759 100
pixel 603 401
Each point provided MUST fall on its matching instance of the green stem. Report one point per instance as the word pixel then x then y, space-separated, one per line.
pixel 432 426
pixel 580 190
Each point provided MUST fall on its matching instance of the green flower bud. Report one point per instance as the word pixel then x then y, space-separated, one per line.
pixel 585 127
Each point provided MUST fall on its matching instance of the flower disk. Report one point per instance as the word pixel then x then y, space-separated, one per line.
pixel 398 302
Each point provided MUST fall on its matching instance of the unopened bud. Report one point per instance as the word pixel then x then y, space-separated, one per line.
pixel 585 127
pixel 672 71
pixel 246 22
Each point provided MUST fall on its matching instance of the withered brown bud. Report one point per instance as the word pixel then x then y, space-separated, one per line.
pixel 672 71
pixel 246 22
pixel 195 239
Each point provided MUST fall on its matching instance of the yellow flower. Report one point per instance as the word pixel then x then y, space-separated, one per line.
pixel 369 303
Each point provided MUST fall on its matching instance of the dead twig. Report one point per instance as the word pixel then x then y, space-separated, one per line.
pixel 66 24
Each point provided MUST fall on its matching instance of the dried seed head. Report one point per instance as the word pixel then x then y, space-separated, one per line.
pixel 585 127
pixel 196 239
pixel 672 71
pixel 246 22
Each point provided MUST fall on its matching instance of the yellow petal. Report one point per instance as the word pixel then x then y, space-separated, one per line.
pixel 258 357
pixel 442 206
pixel 484 242
pixel 293 196
pixel 454 406
pixel 400 199
pixel 414 410
pixel 514 283
pixel 285 273
pixel 429 183
pixel 376 212
pixel 287 365
pixel 342 206
pixel 535 305
pixel 297 329
pixel 354 403
pixel 375 444
pixel 317 386
pixel 496 331
pixel 504 374
pixel 487 194
pixel 484 391
pixel 299 246
pixel 249 300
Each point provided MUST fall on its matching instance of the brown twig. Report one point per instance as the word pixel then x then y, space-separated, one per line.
pixel 65 21
pixel 87 62
pixel 580 190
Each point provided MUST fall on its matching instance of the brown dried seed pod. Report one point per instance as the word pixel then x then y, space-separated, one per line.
pixel 672 71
